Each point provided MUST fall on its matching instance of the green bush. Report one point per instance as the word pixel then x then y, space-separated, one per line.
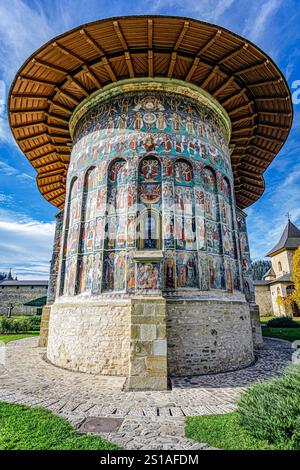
pixel 35 323
pixel 283 322
pixel 6 325
pixel 271 410
pixel 22 325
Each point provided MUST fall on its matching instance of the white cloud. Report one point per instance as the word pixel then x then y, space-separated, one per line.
pixel 207 10
pixel 25 245
pixel 263 13
pixel 9 170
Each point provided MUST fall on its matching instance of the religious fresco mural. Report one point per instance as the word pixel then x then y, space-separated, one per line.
pixel 54 264
pixel 248 286
pixel 148 276
pixel 157 177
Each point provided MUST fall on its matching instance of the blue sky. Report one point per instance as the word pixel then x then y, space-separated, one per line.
pixel 26 219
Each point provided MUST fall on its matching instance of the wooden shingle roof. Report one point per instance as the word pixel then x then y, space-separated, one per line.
pixel 58 76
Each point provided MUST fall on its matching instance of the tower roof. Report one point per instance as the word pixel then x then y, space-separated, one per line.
pixel 290 239
pixel 66 70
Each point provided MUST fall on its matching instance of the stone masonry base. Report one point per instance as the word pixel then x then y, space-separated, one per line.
pixel 149 339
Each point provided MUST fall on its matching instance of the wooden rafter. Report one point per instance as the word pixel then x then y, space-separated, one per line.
pixel 48 89
pixel 125 47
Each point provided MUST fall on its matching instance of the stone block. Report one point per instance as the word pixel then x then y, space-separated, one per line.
pixel 147 332
pixel 159 347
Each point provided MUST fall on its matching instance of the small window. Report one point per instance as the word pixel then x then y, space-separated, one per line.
pixel 279 266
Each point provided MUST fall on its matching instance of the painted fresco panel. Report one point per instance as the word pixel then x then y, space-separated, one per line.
pixel 151 151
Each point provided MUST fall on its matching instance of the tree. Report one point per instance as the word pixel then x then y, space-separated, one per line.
pixel 259 269
pixel 3 276
pixel 295 296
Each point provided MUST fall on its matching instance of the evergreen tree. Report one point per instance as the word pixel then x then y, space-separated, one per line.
pixel 259 268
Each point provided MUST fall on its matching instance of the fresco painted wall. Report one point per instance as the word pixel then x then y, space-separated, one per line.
pixel 150 171
pixel 247 274
pixel 54 264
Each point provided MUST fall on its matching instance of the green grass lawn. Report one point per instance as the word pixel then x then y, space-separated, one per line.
pixel 24 428
pixel 223 432
pixel 13 337
pixel 290 334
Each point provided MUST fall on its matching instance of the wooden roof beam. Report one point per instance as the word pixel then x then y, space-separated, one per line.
pixel 244 129
pixel 272 126
pixel 272 98
pixel 240 108
pixel 233 53
pixel 223 86
pixel 60 106
pixel 33 136
pixel 192 69
pixel 56 117
pixel 209 76
pixel 27 110
pixel 209 43
pixel 29 124
pixel 264 83
pixel 150 33
pixel 233 97
pixel 172 64
pixel 68 53
pixel 68 95
pixel 272 140
pixel 246 118
pixel 150 63
pixel 91 41
pixel 92 76
pixel 242 139
pixel 30 96
pixel 252 67
pixel 183 32
pixel 261 149
pixel 36 81
pixel 150 46
pixel 78 85
pixel 123 43
pixel 64 130
pixel 274 113
pixel 49 66
pixel 201 51
pixel 38 147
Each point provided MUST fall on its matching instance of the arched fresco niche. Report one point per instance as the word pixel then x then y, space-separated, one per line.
pixel 186 258
pixel 70 246
pixel 85 267
pixel 213 230
pixel 115 241
pixel 149 194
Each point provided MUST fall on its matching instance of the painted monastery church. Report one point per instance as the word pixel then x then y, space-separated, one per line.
pixel 277 280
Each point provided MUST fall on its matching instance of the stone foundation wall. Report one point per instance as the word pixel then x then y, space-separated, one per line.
pixel 208 336
pixel 148 351
pixel 256 326
pixel 90 336
pixel 44 330
pixel 18 295
pixel 263 299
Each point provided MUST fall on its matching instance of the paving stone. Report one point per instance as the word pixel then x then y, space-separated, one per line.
pixel 151 420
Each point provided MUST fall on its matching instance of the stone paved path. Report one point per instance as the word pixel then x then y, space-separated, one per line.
pixel 152 420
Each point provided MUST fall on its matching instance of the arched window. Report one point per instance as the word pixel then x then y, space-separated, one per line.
pixel 279 266
pixel 290 289
pixel 85 266
pixel 114 266
pixel 184 206
pixel 70 245
pixel 213 230
pixel 149 194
